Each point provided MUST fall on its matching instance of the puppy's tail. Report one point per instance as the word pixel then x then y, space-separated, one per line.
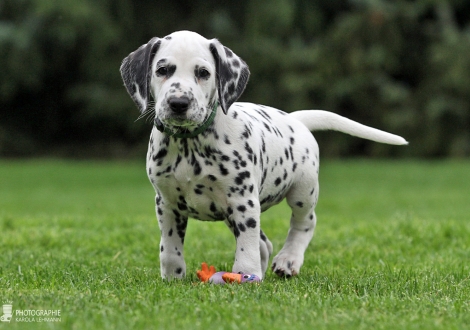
pixel 317 120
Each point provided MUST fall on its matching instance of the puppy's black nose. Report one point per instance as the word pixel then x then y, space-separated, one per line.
pixel 178 104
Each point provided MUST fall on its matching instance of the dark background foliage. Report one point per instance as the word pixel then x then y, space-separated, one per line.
pixel 402 66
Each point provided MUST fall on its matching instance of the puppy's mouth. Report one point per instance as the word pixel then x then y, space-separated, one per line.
pixel 175 125
pixel 179 122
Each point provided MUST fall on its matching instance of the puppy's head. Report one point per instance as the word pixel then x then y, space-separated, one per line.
pixel 186 74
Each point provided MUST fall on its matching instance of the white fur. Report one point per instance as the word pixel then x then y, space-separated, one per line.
pixel 317 120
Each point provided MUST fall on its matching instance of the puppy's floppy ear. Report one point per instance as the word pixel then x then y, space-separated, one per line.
pixel 232 74
pixel 136 72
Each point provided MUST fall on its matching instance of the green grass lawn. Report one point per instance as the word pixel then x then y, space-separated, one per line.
pixel 391 251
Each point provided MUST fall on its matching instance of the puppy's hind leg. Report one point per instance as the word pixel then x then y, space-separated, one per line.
pixel 302 199
pixel 266 249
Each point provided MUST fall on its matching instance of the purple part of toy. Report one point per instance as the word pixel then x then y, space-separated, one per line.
pixel 217 278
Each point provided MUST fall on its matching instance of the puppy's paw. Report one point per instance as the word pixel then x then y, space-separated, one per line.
pixel 286 265
pixel 172 267
pixel 177 273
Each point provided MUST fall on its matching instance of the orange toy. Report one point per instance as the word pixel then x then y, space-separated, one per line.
pixel 209 274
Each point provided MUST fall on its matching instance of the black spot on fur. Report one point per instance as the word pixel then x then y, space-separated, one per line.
pixel 236 163
pixel 277 182
pixel 263 236
pixel 178 160
pixel 248 149
pixel 228 52
pixel 264 114
pixel 236 232
pixel 197 168
pixel 241 208
pixel 294 166
pixel 242 176
pixel 267 127
pixel 181 234
pixel 246 133
pixel 223 169
pixel 160 154
pixel 237 154
pixel 250 223
pixel 212 178
pixel 212 207
pixel 265 173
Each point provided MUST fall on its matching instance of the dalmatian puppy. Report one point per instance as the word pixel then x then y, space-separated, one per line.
pixel 213 159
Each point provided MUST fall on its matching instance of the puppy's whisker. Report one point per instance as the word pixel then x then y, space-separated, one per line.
pixel 148 112
pixel 142 115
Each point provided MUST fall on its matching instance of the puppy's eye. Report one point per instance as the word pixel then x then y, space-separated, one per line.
pixel 203 74
pixel 162 71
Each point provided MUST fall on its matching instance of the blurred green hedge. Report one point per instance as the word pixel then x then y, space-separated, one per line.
pixel 402 66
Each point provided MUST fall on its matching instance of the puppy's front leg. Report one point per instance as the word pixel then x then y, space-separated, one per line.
pixel 244 221
pixel 173 229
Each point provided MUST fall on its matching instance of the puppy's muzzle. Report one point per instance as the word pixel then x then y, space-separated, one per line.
pixel 178 105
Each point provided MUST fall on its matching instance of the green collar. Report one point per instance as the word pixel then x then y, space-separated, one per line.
pixel 184 135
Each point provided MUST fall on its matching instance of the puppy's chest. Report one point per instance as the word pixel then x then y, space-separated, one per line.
pixel 189 182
